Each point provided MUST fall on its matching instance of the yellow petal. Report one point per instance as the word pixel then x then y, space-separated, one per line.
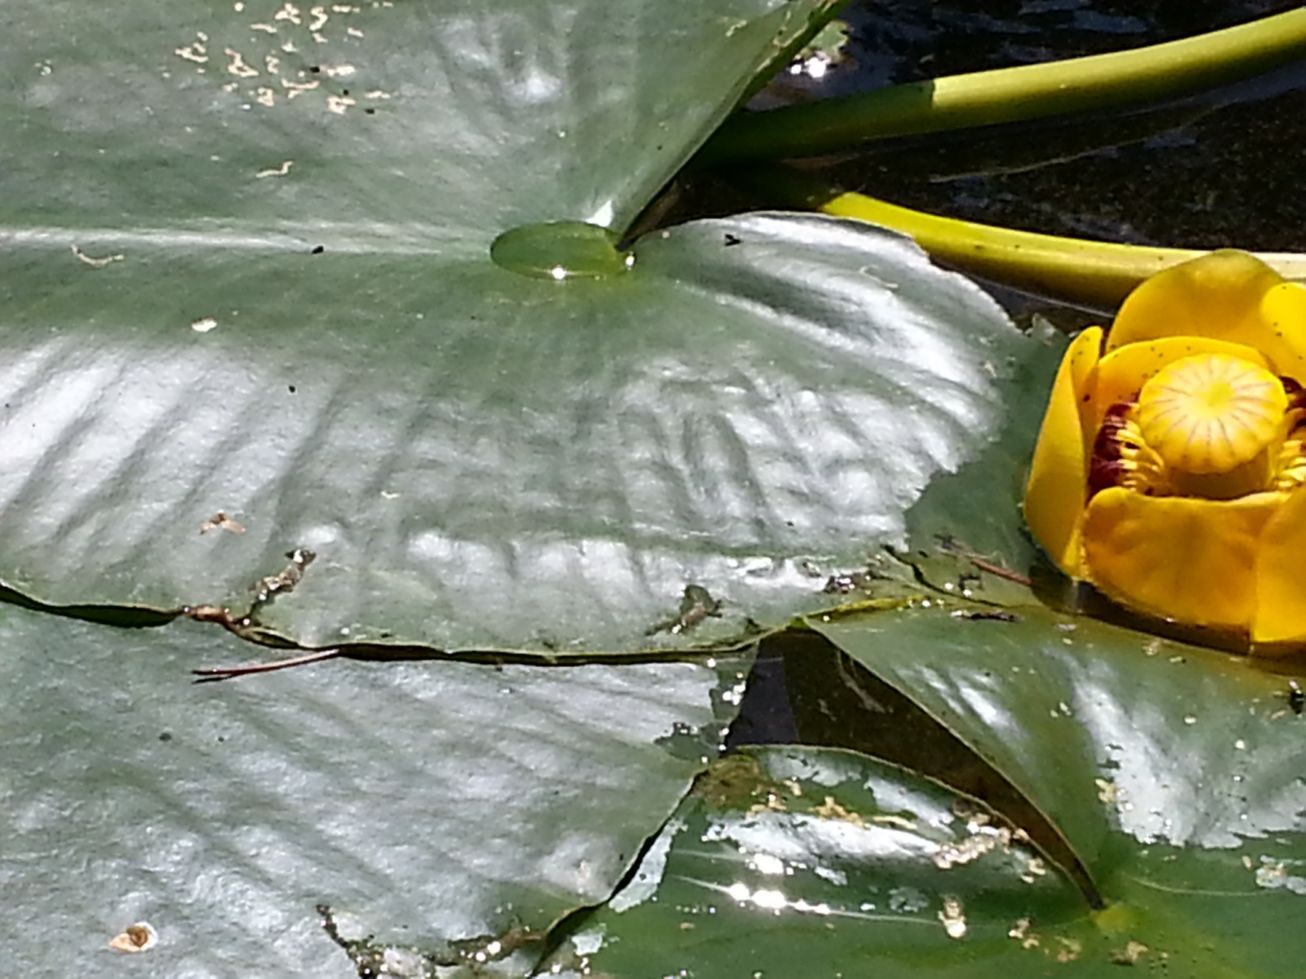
pixel 1176 557
pixel 1121 374
pixel 1058 477
pixel 1280 584
pixel 1223 296
pixel 1283 309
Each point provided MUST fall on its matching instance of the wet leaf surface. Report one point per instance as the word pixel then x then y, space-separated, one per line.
pixel 242 314
pixel 307 335
pixel 1194 746
pixel 809 861
pixel 1174 772
pixel 445 803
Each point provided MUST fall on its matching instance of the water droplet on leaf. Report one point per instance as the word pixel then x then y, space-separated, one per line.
pixel 560 250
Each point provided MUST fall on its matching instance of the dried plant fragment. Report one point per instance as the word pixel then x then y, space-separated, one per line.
pixel 280 171
pixel 1130 954
pixel 696 605
pixel 95 263
pixel 220 521
pixel 952 918
pixel 138 937
pixel 265 589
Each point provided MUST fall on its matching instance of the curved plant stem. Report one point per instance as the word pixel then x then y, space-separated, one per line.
pixel 211 674
pixel 982 98
pixel 1094 273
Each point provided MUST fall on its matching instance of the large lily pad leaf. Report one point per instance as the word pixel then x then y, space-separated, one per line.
pixel 450 804
pixel 428 121
pixel 818 862
pixel 966 529
pixel 1176 774
pixel 480 458
pixel 1193 747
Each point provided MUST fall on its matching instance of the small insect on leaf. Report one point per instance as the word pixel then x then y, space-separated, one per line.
pixel 1296 697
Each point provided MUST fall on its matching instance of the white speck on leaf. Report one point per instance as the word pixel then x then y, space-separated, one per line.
pixel 237 65
pixel 954 922
pixel 196 52
pixel 280 171
pixel 96 263
pixel 298 88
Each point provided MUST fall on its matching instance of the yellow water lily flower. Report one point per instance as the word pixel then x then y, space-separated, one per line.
pixel 1170 468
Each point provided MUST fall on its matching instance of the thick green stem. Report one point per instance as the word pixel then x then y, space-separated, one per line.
pixel 1095 273
pixel 982 98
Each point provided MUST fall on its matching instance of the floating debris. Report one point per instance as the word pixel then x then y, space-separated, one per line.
pixel 696 605
pixel 1296 698
pixel 137 937
pixel 95 263
pixel 985 615
pixel 1130 954
pixel 280 171
pixel 220 521
pixel 265 589
pixel 952 919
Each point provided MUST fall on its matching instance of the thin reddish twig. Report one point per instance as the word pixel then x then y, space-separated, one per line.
pixel 229 672
pixel 999 571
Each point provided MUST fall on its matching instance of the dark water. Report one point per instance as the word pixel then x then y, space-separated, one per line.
pixel 1222 168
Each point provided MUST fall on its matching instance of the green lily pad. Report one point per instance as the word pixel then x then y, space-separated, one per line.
pixel 449 803
pixel 792 861
pixel 1223 914
pixel 1194 746
pixel 1176 774
pixel 966 531
pixel 422 124
pixel 284 325
pixel 820 862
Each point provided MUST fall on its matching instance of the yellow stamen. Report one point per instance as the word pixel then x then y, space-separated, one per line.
pixel 1211 414
pixel 1290 470
pixel 1143 468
